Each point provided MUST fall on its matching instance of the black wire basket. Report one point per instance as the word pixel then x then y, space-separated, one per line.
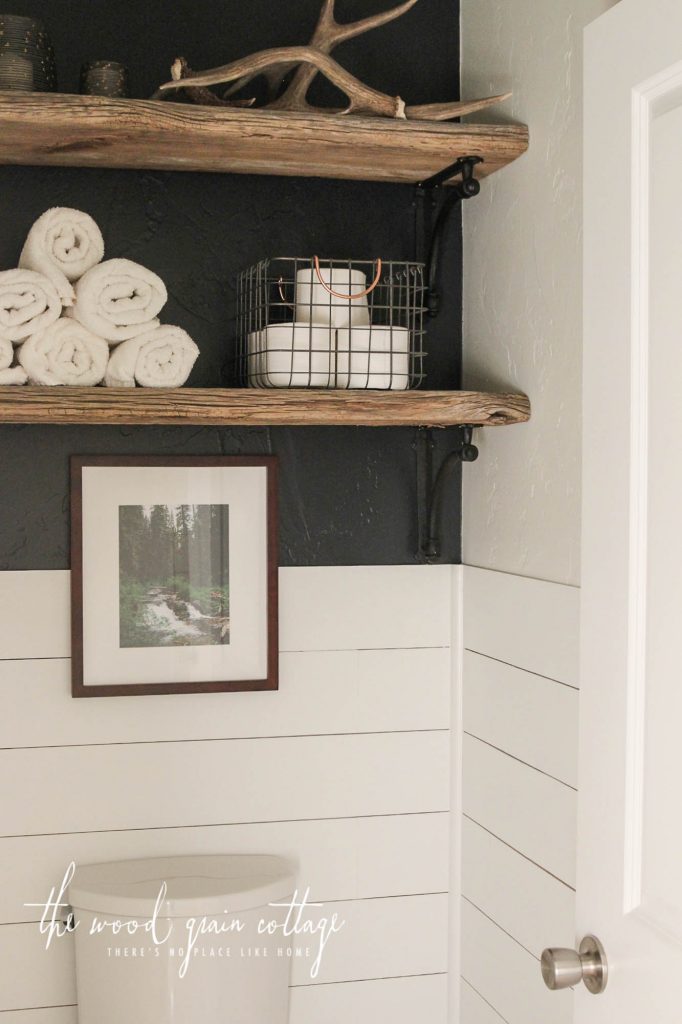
pixel 312 323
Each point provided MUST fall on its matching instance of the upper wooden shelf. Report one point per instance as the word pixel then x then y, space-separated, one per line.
pixel 93 131
pixel 255 407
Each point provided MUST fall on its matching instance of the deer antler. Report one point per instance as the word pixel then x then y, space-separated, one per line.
pixel 362 98
pixel 274 65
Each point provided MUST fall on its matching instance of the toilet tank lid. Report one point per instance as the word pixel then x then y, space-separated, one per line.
pixel 195 886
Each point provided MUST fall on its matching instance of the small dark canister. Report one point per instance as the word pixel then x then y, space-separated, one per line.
pixel 104 78
pixel 26 55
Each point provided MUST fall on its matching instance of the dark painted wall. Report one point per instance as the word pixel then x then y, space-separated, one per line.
pixel 348 496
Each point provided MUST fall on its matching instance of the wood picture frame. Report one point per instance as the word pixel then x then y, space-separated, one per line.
pixel 131 638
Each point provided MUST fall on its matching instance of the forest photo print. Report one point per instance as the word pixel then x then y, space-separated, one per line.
pixel 174 587
pixel 174 574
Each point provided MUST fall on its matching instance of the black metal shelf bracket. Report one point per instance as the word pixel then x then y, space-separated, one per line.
pixel 431 486
pixel 433 215
pixel 434 205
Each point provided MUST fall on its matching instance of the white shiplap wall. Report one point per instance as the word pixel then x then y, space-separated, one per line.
pixel 346 768
pixel 519 771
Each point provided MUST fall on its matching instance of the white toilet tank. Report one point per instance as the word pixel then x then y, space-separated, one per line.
pixel 183 940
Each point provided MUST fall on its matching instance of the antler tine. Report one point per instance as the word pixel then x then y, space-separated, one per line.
pixel 341 32
pixel 327 14
pixel 446 111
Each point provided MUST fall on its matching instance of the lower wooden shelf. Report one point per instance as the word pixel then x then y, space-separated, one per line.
pixel 256 408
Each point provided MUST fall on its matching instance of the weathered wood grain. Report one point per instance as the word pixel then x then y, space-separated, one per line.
pixel 95 131
pixel 252 408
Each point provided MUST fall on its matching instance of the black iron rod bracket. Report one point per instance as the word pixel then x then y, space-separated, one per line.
pixel 432 488
pixel 432 225
pixel 434 205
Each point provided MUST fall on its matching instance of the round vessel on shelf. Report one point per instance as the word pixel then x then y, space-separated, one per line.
pixel 26 38
pixel 104 78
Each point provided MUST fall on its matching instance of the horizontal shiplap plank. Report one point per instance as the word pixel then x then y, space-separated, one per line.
pixel 344 859
pixel 156 785
pixel 366 606
pixel 473 1008
pixel 394 1000
pixel 525 622
pixel 532 906
pixel 380 939
pixel 533 718
pixel 21 634
pixel 510 978
pixel 529 811
pixel 320 692
pixel 398 1000
pixel 321 609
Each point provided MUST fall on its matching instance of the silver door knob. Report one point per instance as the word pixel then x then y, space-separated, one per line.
pixel 564 968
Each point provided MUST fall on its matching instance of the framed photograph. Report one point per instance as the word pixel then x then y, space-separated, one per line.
pixel 173 574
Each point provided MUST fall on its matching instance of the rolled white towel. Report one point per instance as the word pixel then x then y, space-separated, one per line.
pixel 160 358
pixel 64 353
pixel 13 375
pixel 28 303
pixel 63 244
pixel 118 299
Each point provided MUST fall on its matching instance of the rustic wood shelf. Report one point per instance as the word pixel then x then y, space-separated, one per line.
pixel 230 407
pixel 94 131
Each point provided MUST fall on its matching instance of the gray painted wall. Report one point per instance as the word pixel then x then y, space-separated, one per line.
pixel 348 495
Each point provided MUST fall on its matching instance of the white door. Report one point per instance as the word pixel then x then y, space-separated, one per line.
pixel 629 889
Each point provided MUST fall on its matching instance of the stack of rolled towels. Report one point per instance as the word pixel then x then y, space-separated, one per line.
pixel 67 316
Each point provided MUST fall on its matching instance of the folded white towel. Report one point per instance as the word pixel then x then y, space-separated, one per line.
pixel 160 358
pixel 65 353
pixel 118 299
pixel 28 303
pixel 13 375
pixel 62 245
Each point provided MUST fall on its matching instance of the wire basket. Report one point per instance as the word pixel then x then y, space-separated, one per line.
pixel 311 323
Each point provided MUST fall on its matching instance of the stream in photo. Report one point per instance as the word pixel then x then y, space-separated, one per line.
pixel 176 622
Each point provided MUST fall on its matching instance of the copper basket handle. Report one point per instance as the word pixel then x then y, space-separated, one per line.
pixel 280 286
pixel 340 295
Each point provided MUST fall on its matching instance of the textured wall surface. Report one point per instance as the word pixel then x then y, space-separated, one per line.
pixel 522 290
pixel 348 495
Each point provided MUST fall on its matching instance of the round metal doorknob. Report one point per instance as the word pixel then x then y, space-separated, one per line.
pixel 564 968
